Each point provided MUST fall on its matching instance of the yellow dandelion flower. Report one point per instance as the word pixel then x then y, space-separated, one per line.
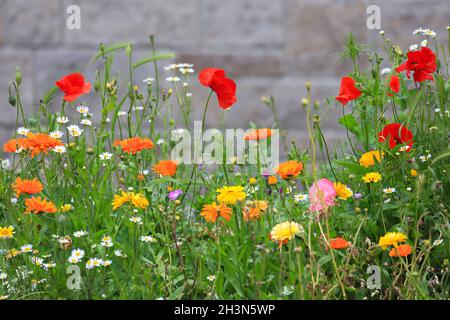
pixel 368 159
pixel 285 231
pixel 371 177
pixel 413 173
pixel 342 191
pixel 391 239
pixel 252 180
pixel 6 232
pixel 138 200
pixel 66 208
pixel 231 194
pixel 120 200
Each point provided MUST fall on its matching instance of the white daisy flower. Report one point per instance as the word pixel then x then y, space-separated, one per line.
pixel 106 156
pixel 86 122
pixel 147 239
pixel 3 276
pixel 59 149
pixel 211 277
pixel 26 248
pixel 62 120
pixel 172 79
pixel 424 43
pixel 93 262
pixel 160 141
pixel 57 134
pixel 137 220
pixel 301 197
pixel 106 263
pixel 389 190
pixel 73 260
pixel 83 109
pixel 23 131
pixel 75 131
pixel 148 80
pixel 79 234
pixel 414 47
pixel 78 253
pixel 37 261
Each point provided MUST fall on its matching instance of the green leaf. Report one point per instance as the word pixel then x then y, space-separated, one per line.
pixel 110 49
pixel 440 157
pixel 161 56
pixel 352 125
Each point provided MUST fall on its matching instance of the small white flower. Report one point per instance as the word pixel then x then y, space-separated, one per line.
pixel 37 261
pixel 147 239
pixel 389 190
pixel 172 79
pixel 424 43
pixel 437 242
pixel 3 276
pixel 13 200
pixel 57 134
pixel 86 122
pixel 6 164
pixel 137 220
pixel 83 109
pixel 186 70
pixel 94 262
pixel 106 263
pixel 49 265
pixel 387 200
pixel 211 277
pixel 73 260
pixel 301 197
pixel 437 110
pixel 75 131
pixel 59 149
pixel 118 253
pixel 62 120
pixel 145 172
pixel 78 253
pixel 148 80
pixel 79 234
pixel 160 141
pixel 385 71
pixel 26 248
pixel 414 47
pixel 106 156
pixel 188 94
pixel 23 131
pixel 408 188
pixel 185 84
pixel 122 113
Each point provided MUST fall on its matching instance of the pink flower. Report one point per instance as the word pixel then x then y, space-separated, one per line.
pixel 321 195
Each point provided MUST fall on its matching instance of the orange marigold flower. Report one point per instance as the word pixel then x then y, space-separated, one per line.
pixel 13 145
pixel 39 205
pixel 166 168
pixel 134 145
pixel 339 243
pixel 402 250
pixel 253 209
pixel 272 180
pixel 27 186
pixel 289 169
pixel 40 143
pixel 258 134
pixel 211 211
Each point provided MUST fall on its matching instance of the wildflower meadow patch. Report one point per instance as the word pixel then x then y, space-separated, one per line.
pixel 118 200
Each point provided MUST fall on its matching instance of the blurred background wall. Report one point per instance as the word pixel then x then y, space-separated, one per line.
pixel 270 47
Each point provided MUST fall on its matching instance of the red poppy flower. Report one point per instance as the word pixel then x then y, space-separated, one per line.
pixel 224 87
pixel 394 84
pixel 73 86
pixel 397 134
pixel 348 91
pixel 422 63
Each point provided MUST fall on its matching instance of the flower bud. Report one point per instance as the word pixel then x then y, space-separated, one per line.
pixel 18 76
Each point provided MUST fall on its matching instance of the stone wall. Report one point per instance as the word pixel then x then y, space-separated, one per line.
pixel 271 47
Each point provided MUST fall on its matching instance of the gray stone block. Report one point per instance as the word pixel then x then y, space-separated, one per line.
pixel 176 22
pixel 9 60
pixel 243 23
pixel 33 23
